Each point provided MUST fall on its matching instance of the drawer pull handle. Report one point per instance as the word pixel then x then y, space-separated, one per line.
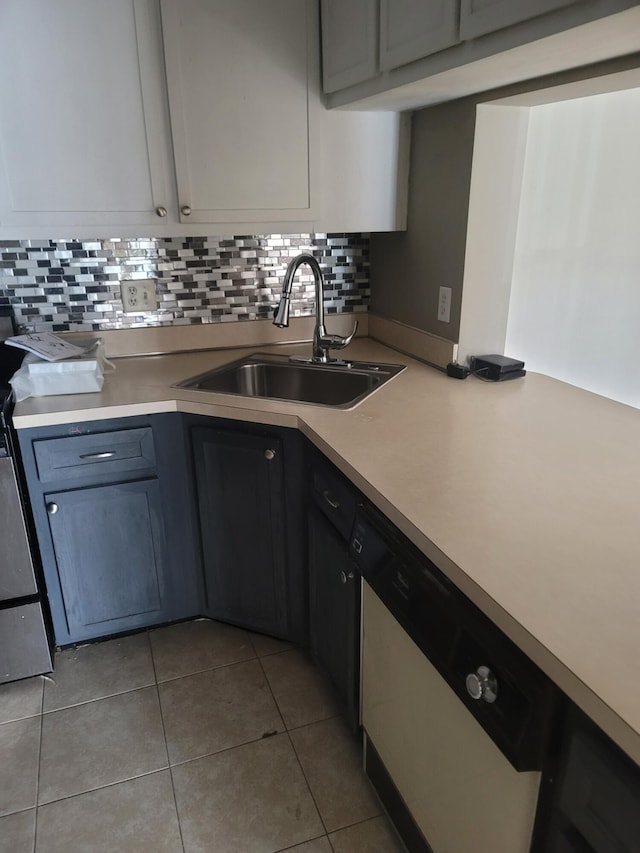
pixel 332 503
pixel 107 454
pixel 269 454
pixel 52 508
pixel 344 577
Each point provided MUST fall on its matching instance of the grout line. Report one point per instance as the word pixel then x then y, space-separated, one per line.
pixel 99 698
pixel 35 822
pixel 259 739
pixel 300 843
pixel 304 776
pixel 200 671
pixel 166 746
pixel 273 695
pixel 101 787
pixel 314 722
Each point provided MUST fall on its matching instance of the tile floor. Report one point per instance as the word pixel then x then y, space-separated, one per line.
pixel 195 737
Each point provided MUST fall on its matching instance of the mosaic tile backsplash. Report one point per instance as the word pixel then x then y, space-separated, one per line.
pixel 74 285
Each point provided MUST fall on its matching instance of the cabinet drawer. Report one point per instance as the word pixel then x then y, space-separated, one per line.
pixel 100 454
pixel 335 496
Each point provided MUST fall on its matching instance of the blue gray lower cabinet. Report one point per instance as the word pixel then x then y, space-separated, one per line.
pixel 147 520
pixel 334 613
pixel 249 495
pixel 590 795
pixel 111 505
pixel 111 555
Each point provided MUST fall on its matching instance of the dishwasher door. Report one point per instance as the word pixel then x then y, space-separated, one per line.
pixel 461 791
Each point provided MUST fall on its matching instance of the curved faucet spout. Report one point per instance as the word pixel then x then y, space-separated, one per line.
pixel 322 342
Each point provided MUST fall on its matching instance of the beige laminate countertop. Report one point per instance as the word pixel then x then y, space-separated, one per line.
pixel 525 493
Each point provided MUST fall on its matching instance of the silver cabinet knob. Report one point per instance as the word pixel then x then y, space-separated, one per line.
pixel 52 508
pixel 185 210
pixel 482 684
pixel 269 454
pixel 344 577
pixel 161 211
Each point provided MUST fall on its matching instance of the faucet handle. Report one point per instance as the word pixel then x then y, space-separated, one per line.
pixel 324 342
pixel 350 337
pixel 339 342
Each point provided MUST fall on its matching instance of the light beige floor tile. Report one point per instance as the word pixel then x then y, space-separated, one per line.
pixel 331 760
pixel 19 748
pixel 265 645
pixel 99 670
pixel 99 743
pixel 301 693
pixel 138 816
pixel 217 709
pixel 372 836
pixel 252 799
pixel 17 832
pixel 318 845
pixel 195 646
pixel 21 699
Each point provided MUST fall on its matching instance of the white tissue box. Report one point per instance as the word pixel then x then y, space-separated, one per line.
pixel 71 376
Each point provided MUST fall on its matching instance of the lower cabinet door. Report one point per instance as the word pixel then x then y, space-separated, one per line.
pixel 241 502
pixel 334 613
pixel 590 801
pixel 109 550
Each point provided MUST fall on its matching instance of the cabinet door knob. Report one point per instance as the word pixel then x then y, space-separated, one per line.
pixel 52 508
pixel 269 454
pixel 161 211
pixel 185 210
pixel 344 577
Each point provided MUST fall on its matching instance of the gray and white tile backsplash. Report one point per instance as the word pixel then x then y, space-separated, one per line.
pixel 74 285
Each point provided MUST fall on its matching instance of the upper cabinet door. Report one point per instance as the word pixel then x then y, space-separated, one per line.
pixel 349 42
pixel 478 17
pixel 413 29
pixel 83 125
pixel 238 81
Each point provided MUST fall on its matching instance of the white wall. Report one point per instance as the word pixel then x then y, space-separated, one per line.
pixel 494 200
pixel 574 311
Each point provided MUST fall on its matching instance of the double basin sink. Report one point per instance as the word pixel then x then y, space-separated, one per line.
pixel 340 384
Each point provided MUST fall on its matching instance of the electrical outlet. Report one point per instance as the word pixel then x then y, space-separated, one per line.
pixel 139 296
pixel 444 305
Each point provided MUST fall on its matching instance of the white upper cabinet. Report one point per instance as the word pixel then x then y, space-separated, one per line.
pixel 478 17
pixel 350 42
pixel 174 117
pixel 413 29
pixel 242 129
pixel 83 128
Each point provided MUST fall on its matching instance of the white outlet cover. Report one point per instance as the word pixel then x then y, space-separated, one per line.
pixel 444 305
pixel 139 297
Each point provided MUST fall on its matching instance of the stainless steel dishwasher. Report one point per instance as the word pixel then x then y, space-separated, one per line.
pixel 456 717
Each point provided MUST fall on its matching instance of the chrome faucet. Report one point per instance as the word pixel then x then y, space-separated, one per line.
pixel 322 342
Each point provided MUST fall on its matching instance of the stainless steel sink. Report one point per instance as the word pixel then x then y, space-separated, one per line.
pixel 341 384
